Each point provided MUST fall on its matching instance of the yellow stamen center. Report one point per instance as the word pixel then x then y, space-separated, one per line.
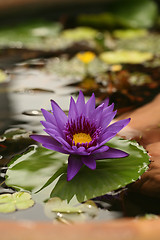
pixel 81 138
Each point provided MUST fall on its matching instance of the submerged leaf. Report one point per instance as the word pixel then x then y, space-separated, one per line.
pixel 15 201
pixel 59 209
pixel 41 168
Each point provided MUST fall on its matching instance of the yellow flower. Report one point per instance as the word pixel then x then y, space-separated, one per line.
pixel 86 57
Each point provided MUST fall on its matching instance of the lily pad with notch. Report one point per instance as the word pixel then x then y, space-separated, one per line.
pixel 44 173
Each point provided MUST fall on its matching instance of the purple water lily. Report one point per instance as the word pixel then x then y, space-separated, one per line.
pixel 82 134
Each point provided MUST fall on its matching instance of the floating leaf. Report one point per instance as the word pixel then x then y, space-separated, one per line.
pixel 56 208
pixel 33 35
pixel 79 33
pixel 15 134
pixel 129 33
pixel 38 168
pixel 151 43
pixel 124 56
pixel 74 68
pixel 34 168
pixel 15 201
pixel 63 67
pixel 105 19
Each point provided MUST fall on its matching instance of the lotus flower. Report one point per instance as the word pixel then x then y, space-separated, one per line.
pixel 82 134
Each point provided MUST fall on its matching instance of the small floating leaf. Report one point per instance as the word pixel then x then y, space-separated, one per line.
pixel 59 209
pixel 124 56
pixel 15 201
pixel 129 33
pixel 79 33
pixel 33 35
pixel 151 43
pixel 16 133
pixel 62 67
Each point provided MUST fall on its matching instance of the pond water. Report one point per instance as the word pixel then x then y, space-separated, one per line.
pixel 27 91
pixel 31 84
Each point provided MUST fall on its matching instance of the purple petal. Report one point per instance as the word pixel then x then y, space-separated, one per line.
pixel 111 153
pixel 96 116
pixel 116 127
pixel 101 149
pixel 79 151
pixel 106 102
pixel 59 115
pixel 90 105
pixel 43 139
pixel 55 148
pixel 74 165
pixel 48 125
pixel 120 123
pixel 72 110
pixel 80 103
pixel 107 119
pixel 49 143
pixel 49 117
pixel 108 109
pixel 108 135
pixel 54 134
pixel 89 161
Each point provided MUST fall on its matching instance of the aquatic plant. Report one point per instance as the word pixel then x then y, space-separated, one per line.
pixel 82 134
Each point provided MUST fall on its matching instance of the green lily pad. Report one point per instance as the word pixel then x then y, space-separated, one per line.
pixel 74 68
pixel 129 33
pixel 33 35
pixel 63 67
pixel 58 209
pixel 34 168
pixel 15 201
pixel 79 33
pixel 42 169
pixel 151 43
pixel 15 134
pixel 124 56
